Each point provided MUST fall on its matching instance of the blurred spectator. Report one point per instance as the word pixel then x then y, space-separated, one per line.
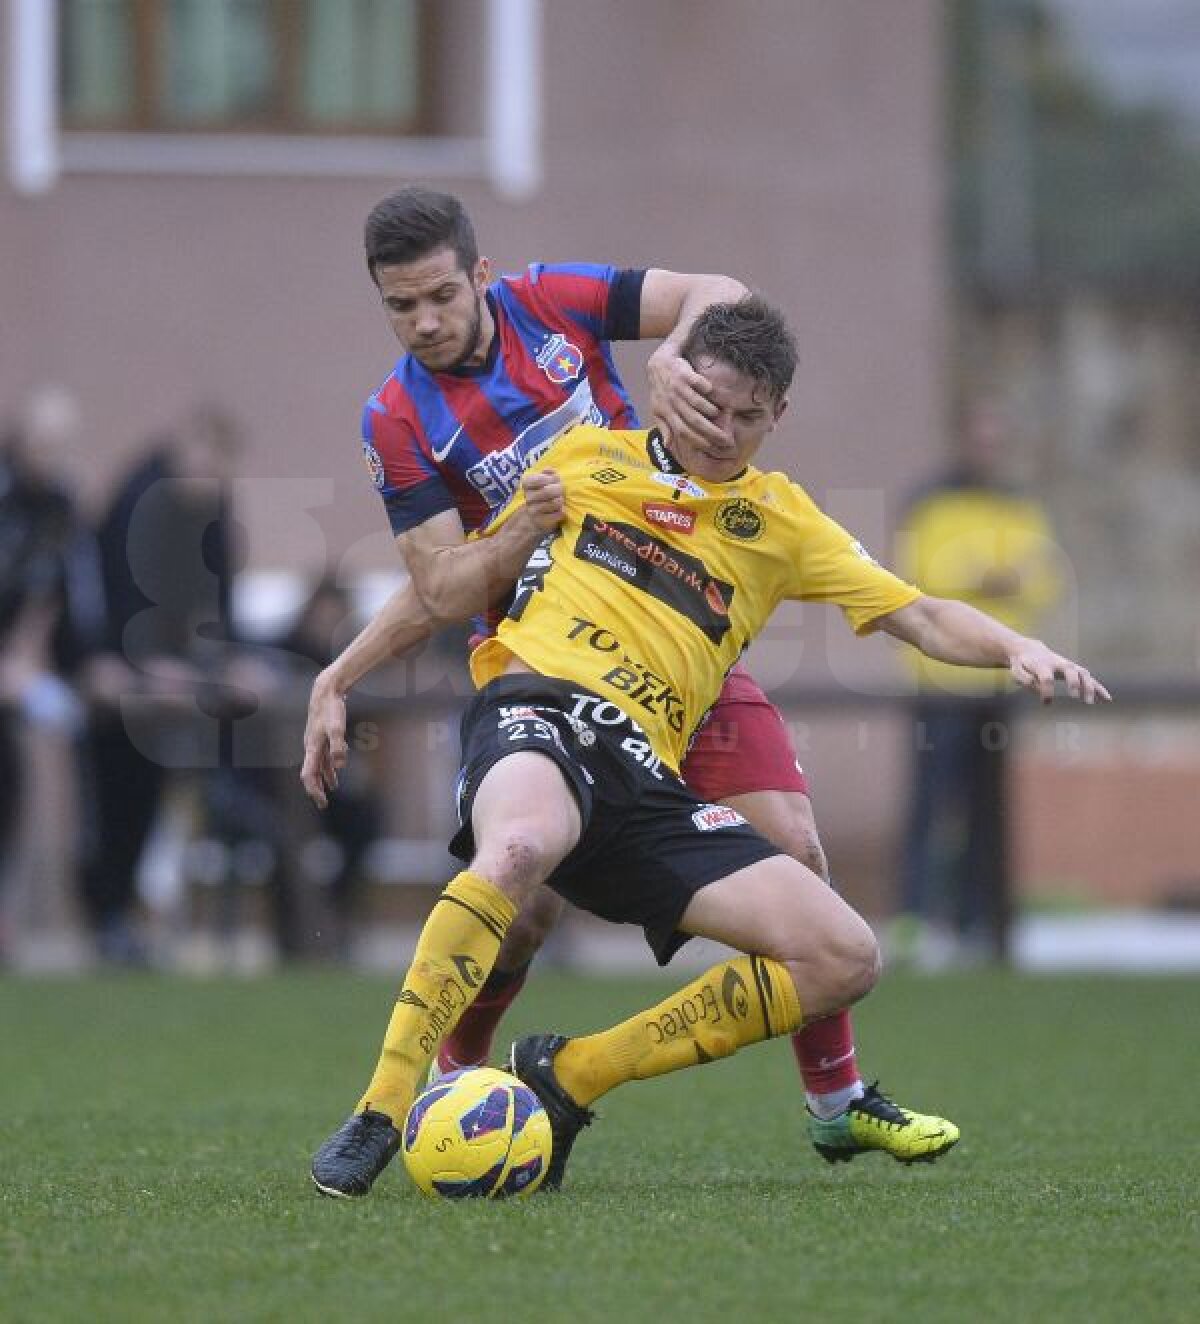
pixel 263 806
pixel 167 558
pixel 353 818
pixel 972 536
pixel 51 609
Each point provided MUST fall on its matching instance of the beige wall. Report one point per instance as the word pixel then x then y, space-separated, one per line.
pixel 794 143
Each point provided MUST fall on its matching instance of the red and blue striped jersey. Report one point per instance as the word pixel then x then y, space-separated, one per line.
pixel 436 441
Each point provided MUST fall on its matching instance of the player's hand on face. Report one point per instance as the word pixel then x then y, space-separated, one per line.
pixel 545 499
pixel 325 749
pixel 679 398
pixel 1037 667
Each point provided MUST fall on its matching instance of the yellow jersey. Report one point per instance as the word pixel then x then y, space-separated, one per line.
pixel 986 546
pixel 655 583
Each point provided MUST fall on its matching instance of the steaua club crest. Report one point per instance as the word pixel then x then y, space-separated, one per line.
pixel 561 361
pixel 740 519
pixel 374 463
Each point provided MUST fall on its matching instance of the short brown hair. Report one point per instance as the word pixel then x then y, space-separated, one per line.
pixel 413 222
pixel 752 336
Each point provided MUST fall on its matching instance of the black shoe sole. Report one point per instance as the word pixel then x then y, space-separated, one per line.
pixel 333 1193
pixel 833 1155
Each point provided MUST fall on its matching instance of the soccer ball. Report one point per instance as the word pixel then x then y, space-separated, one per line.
pixel 478 1132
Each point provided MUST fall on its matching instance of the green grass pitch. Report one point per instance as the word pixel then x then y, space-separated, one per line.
pixel 156 1136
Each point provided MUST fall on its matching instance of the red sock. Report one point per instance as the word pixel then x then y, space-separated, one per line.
pixel 825 1054
pixel 471 1040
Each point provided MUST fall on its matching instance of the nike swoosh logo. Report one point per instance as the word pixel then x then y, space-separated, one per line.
pixel 440 455
pixel 827 1062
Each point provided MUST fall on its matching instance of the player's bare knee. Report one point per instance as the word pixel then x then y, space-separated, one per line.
pixel 516 858
pixel 837 967
pixel 522 856
pixel 854 962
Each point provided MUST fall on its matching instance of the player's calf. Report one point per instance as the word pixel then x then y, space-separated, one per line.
pixel 469 1044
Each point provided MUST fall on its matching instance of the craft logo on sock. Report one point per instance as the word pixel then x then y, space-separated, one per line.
pixel 708 818
pixel 739 519
pixel 734 994
pixel 409 998
pixel 469 970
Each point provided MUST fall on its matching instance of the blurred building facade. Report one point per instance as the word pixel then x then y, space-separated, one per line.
pixel 1074 163
pixel 797 146
pixel 182 212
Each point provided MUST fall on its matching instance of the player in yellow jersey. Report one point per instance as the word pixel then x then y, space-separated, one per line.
pixel 448 450
pixel 670 558
pixel 973 536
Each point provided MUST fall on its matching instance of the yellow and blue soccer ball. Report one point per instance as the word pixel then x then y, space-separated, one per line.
pixel 478 1132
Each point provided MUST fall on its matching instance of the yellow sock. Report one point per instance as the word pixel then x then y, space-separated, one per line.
pixel 455 953
pixel 736 1003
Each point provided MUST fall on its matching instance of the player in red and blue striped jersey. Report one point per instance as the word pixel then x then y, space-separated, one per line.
pixel 492 374
pixel 459 437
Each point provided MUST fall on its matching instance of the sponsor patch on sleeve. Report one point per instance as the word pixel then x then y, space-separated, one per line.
pixel 374 462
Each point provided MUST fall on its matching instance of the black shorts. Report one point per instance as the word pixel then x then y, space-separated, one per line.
pixel 648 845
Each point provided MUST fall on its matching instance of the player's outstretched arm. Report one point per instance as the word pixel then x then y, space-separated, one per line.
pixel 955 632
pixel 400 625
pixel 405 621
pixel 671 302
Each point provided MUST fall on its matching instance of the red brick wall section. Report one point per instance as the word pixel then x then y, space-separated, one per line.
pixel 1125 832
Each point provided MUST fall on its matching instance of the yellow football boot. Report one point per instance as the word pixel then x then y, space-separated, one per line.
pixel 874 1122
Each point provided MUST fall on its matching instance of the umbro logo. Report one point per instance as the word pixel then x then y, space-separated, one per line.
pixel 469 970
pixel 608 476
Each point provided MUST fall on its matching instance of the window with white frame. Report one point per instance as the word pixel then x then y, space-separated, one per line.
pixel 288 66
pixel 273 87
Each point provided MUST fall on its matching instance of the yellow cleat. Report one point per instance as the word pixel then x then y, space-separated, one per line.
pixel 875 1122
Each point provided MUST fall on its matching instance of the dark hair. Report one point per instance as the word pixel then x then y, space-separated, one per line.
pixel 412 222
pixel 751 336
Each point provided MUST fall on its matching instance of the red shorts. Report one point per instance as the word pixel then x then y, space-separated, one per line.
pixel 743 746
